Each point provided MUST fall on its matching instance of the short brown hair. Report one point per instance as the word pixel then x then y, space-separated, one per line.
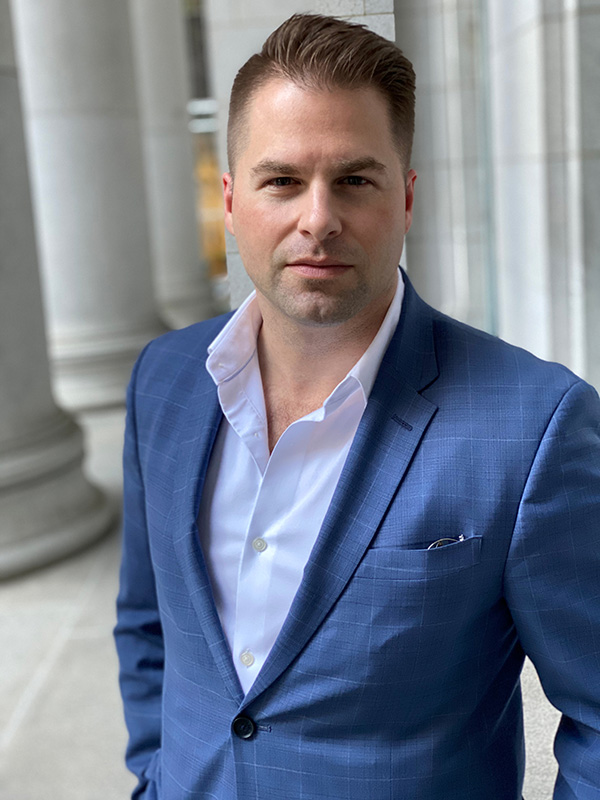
pixel 319 52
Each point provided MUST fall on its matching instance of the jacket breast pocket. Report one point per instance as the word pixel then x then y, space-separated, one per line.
pixel 396 563
pixel 395 583
pixel 408 611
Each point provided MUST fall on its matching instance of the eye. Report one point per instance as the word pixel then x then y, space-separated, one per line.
pixel 283 180
pixel 355 180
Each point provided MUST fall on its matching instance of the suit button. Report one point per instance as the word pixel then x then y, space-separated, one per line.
pixel 243 727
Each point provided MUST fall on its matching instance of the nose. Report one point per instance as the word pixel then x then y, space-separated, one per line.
pixel 319 217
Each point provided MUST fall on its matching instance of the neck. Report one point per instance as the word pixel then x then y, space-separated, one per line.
pixel 302 364
pixel 299 372
pixel 310 360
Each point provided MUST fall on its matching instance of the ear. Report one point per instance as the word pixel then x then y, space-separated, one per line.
pixel 228 199
pixel 409 199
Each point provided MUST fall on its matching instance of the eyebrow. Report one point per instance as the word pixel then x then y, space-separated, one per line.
pixel 360 164
pixel 274 167
pixel 345 166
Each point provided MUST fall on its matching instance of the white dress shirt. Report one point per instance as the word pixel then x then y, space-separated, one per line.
pixel 260 514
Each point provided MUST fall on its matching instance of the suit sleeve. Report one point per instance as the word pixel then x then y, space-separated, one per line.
pixel 138 632
pixel 552 584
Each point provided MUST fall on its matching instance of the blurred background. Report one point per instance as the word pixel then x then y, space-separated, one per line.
pixel 112 144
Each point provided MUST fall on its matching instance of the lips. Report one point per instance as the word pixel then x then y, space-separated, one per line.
pixel 317 262
pixel 318 268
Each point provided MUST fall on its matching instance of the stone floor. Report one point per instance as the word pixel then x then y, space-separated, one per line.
pixel 61 730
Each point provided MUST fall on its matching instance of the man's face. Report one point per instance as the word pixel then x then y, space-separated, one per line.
pixel 320 203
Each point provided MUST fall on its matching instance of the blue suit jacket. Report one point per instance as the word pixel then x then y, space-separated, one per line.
pixel 396 673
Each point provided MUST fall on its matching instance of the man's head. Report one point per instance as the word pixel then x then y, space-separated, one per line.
pixel 322 196
pixel 317 53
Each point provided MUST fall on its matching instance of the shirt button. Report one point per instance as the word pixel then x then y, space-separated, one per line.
pixel 247 658
pixel 259 545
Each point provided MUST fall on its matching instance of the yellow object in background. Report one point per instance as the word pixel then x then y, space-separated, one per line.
pixel 209 204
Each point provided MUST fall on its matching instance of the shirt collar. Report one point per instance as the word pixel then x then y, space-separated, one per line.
pixel 235 346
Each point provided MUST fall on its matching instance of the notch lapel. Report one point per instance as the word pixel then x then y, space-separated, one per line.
pixel 391 429
pixel 200 423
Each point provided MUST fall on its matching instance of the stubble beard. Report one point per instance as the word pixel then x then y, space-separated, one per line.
pixel 317 301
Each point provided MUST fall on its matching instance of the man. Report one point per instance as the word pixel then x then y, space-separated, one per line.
pixel 347 517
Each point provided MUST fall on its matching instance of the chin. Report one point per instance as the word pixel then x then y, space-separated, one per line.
pixel 321 313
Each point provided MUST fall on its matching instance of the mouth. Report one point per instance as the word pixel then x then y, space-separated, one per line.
pixel 318 267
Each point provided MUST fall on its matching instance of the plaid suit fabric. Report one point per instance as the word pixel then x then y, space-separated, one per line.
pixel 396 673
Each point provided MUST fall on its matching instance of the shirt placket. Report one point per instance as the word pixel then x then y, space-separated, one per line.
pixel 254 627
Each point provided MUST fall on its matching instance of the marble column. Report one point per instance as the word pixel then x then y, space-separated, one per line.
pixel 47 508
pixel 448 254
pixel 520 151
pixel 582 134
pixel 86 161
pixel 545 60
pixel 235 32
pixel 182 286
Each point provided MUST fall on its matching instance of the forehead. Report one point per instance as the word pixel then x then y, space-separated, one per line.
pixel 287 119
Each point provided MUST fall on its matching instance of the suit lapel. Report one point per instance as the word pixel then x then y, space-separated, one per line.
pixel 201 420
pixel 390 431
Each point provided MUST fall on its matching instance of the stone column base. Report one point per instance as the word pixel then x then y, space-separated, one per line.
pixel 47 507
pixel 92 370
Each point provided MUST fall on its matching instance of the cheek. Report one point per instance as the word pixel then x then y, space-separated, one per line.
pixel 380 232
pixel 260 221
pixel 383 242
pixel 257 236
